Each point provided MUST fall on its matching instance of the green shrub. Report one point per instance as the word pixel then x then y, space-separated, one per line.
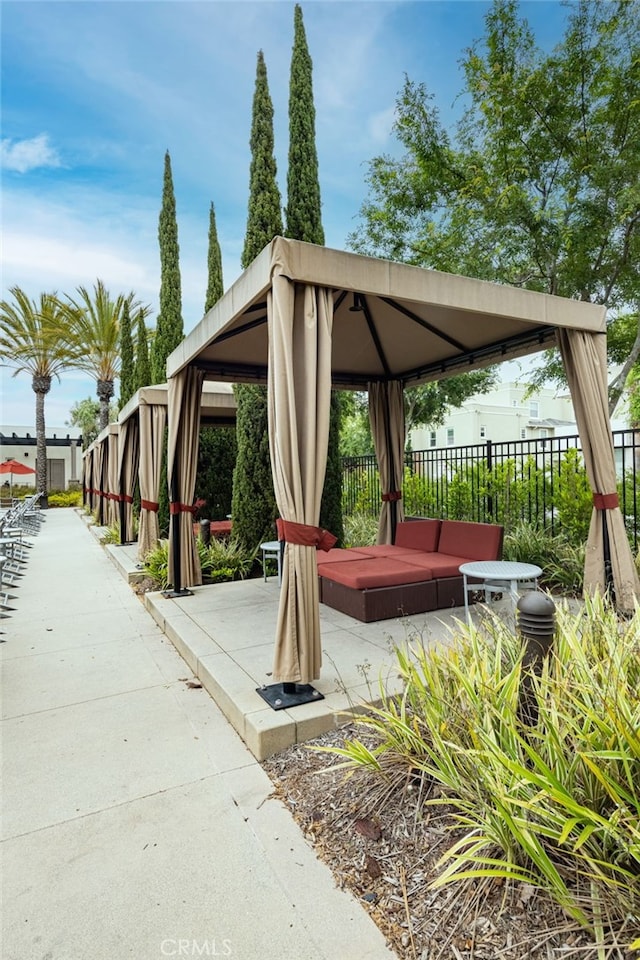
pixel 111 534
pixel 156 564
pixel 573 499
pixel 220 560
pixel 224 559
pixel 65 498
pixel 562 563
pixel 360 530
pixel 555 803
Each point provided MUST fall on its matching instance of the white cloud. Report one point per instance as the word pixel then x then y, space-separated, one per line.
pixel 25 155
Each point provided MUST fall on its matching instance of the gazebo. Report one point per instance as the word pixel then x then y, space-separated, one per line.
pixel 303 319
pixel 142 422
pixel 99 473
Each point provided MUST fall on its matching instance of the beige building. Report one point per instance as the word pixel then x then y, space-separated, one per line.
pixel 64 454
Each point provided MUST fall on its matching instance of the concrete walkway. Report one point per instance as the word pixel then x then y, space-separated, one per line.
pixel 135 823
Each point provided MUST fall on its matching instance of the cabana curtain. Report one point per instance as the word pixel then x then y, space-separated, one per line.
pixel 300 319
pixel 101 483
pixel 128 459
pixel 152 421
pixel 111 445
pixel 184 400
pixel 386 416
pixel 584 355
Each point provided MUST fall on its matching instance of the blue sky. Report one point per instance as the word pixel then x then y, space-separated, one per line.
pixel 94 93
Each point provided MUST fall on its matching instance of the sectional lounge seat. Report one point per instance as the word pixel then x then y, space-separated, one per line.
pixel 418 573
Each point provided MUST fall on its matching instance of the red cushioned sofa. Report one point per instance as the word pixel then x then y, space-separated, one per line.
pixel 418 573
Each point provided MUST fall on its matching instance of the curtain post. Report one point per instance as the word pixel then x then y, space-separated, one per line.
pixel 609 585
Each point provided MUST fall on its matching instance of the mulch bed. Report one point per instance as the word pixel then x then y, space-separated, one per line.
pixel 383 848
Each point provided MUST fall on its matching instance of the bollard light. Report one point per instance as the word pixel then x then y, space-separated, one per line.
pixel 205 532
pixel 536 622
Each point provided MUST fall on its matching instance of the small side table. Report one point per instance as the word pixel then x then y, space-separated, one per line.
pixel 271 550
pixel 498 576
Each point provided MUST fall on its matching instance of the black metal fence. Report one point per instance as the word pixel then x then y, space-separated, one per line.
pixel 540 481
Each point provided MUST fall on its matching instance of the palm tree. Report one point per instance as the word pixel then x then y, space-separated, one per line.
pixel 93 333
pixel 32 341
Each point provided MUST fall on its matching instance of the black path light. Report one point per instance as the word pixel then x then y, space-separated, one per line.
pixel 536 622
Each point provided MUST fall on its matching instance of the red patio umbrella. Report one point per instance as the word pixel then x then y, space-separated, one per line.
pixel 14 466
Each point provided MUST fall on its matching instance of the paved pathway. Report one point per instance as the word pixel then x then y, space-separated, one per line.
pixel 134 821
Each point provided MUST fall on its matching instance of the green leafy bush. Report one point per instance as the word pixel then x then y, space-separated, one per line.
pixel 224 559
pixel 156 564
pixel 554 803
pixel 562 563
pixel 111 534
pixel 360 530
pixel 220 560
pixel 65 498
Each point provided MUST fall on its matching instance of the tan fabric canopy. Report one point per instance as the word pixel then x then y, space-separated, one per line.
pixel 585 361
pixel 128 461
pixel 146 414
pixel 391 322
pixel 300 319
pixel 182 461
pixel 152 425
pixel 113 511
pixel 386 415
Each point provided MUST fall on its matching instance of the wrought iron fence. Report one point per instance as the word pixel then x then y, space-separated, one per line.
pixel 540 481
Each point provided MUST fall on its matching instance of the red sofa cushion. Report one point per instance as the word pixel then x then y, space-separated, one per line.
pixel 418 534
pixel 220 527
pixel 372 572
pixel 340 554
pixel 441 564
pixel 473 541
pixel 387 550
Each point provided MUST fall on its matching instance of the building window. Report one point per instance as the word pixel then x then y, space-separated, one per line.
pixel 534 409
pixel 432 438
pixel 483 431
pixel 450 436
pixel 523 434
pixel 544 434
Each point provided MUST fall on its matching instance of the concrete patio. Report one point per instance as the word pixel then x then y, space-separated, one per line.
pixel 225 633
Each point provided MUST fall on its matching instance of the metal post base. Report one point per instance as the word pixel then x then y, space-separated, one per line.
pixel 281 696
pixel 172 594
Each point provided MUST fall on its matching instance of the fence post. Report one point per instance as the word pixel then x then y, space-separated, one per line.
pixel 489 469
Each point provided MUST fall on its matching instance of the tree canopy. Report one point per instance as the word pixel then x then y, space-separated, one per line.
pixel 538 183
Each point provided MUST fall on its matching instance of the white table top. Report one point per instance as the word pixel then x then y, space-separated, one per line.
pixel 270 545
pixel 500 570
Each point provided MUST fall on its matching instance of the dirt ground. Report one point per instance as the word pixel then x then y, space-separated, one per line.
pixel 384 849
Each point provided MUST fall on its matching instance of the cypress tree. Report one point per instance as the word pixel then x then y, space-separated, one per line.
pixel 304 222
pixel 216 462
pixel 264 219
pixel 218 445
pixel 143 363
pixel 304 218
pixel 254 507
pixel 169 327
pixel 215 287
pixel 127 366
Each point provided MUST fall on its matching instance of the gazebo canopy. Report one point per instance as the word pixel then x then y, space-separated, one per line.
pixel 218 406
pixel 390 321
pixel 304 318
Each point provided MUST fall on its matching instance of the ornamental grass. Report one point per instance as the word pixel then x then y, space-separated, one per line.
pixel 553 800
